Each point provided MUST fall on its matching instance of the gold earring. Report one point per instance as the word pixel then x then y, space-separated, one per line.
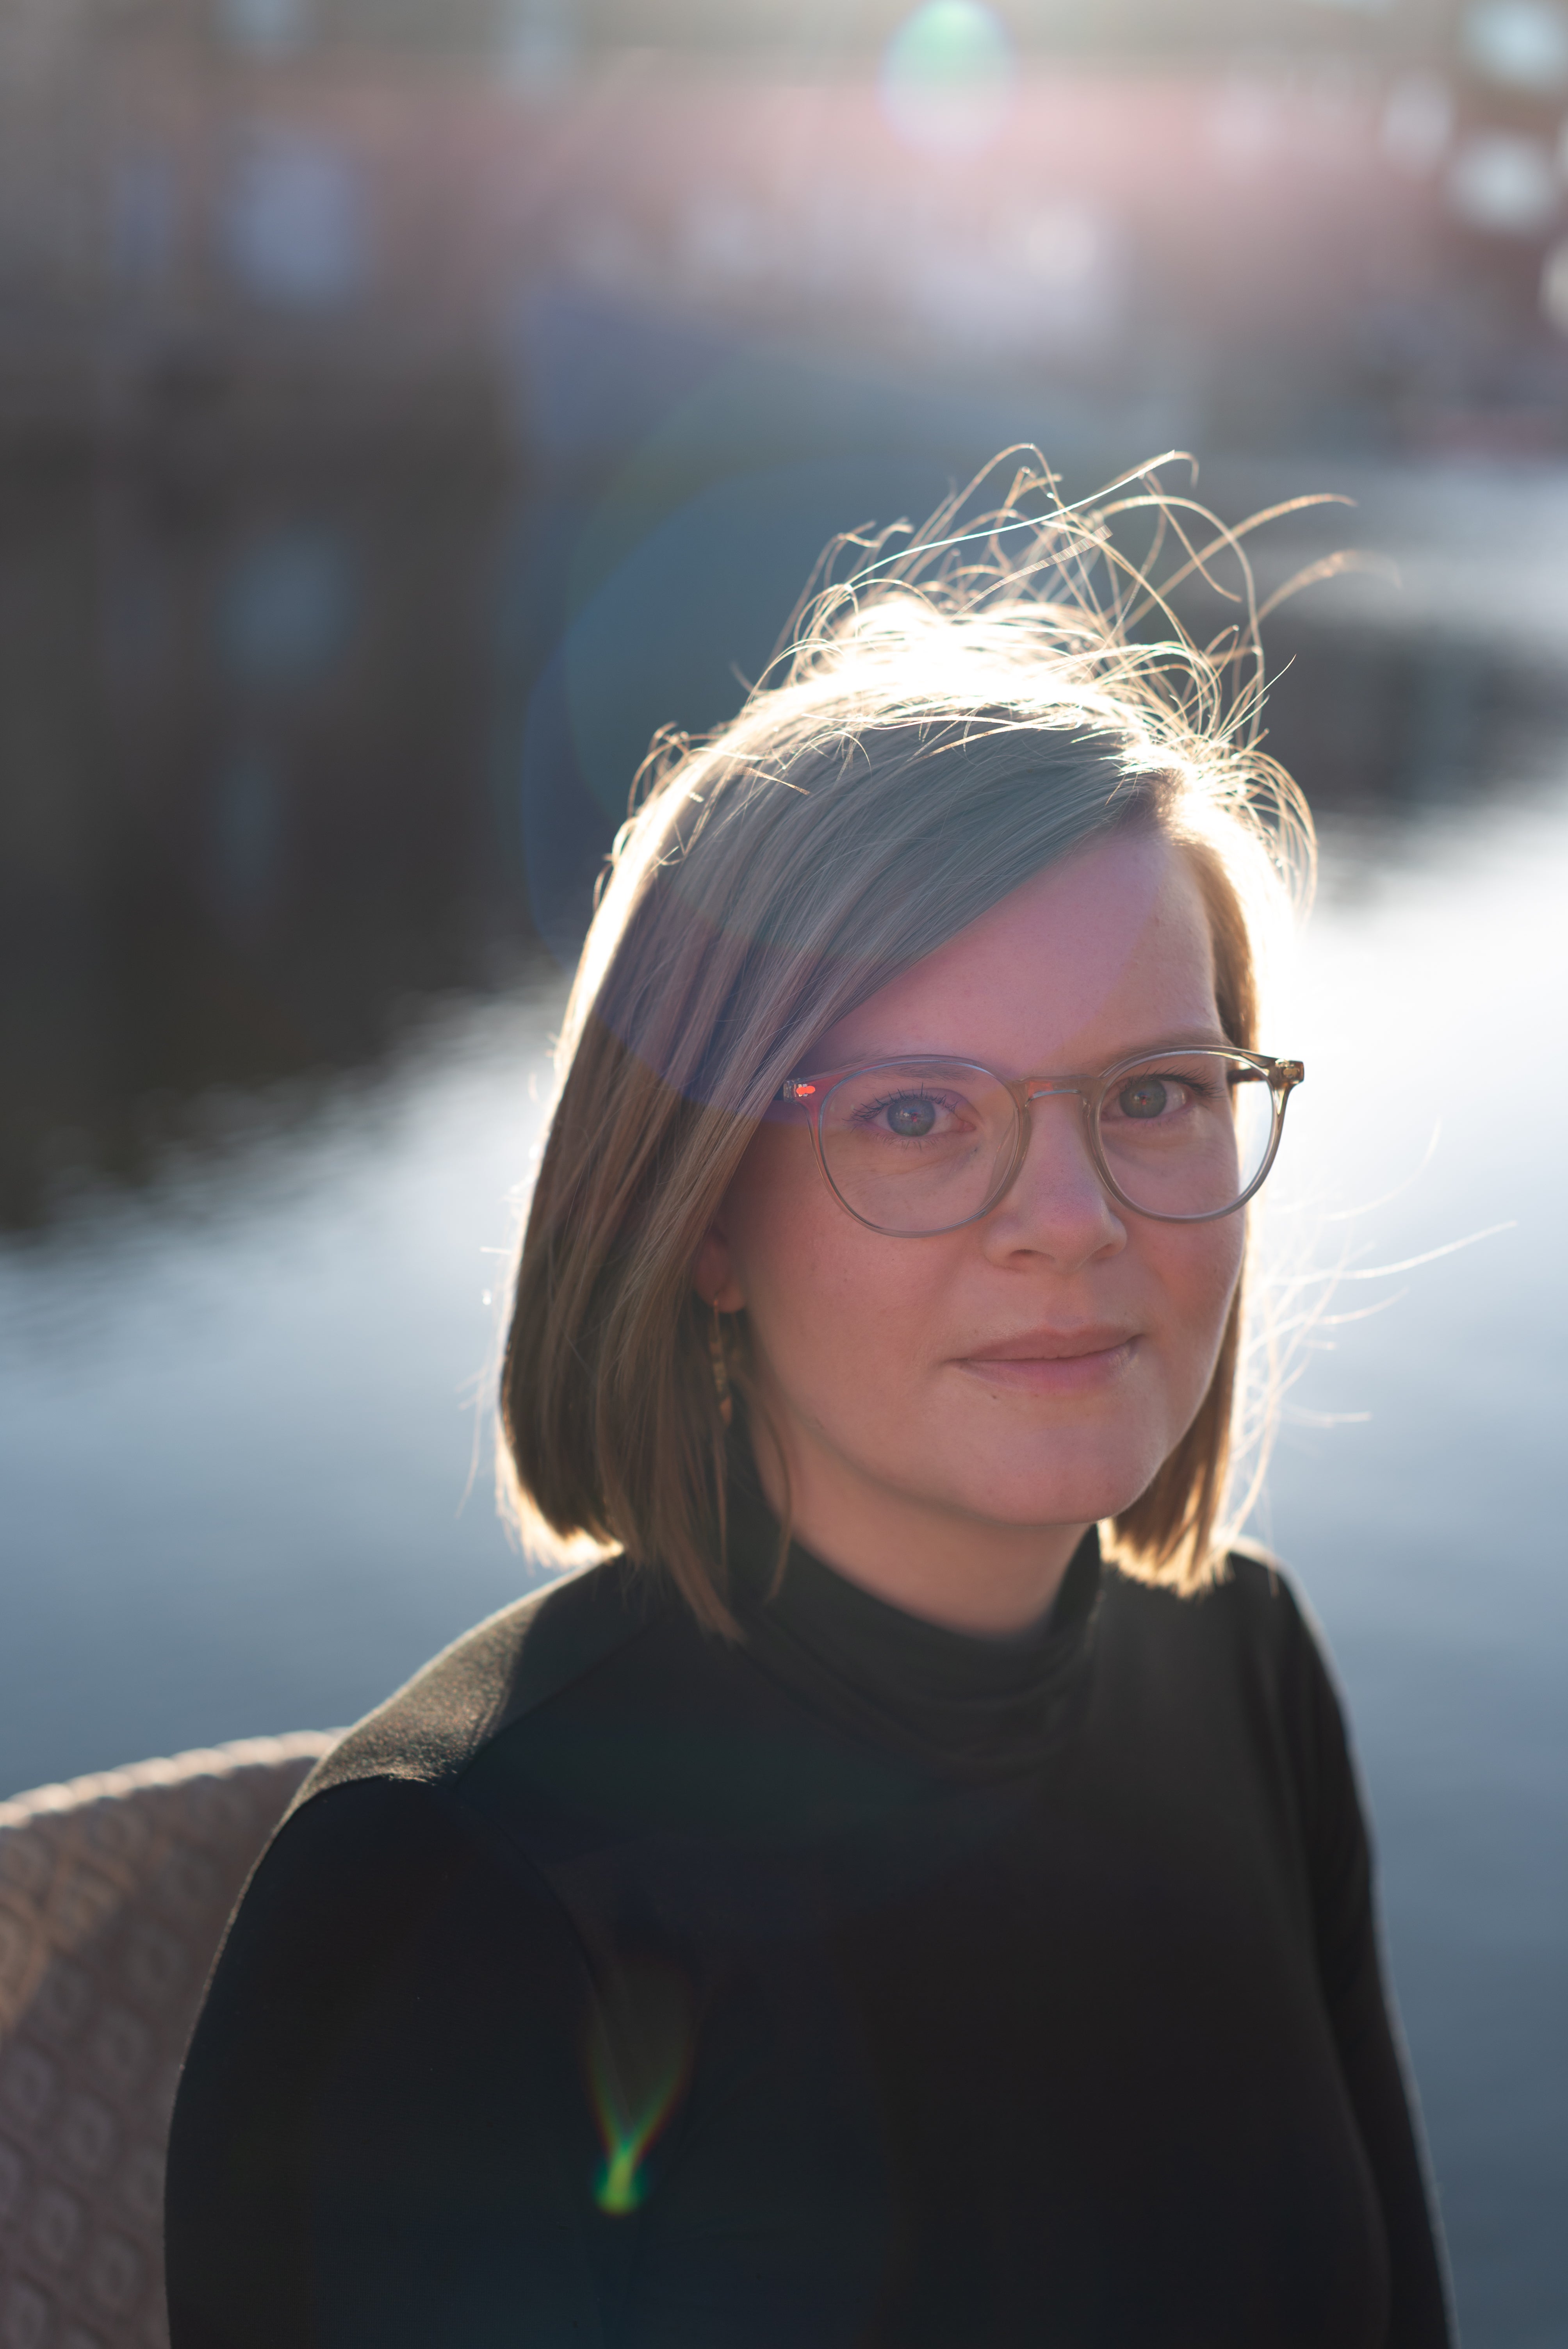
pixel 721 1369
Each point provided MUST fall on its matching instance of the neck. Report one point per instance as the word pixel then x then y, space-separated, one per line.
pixel 964 1572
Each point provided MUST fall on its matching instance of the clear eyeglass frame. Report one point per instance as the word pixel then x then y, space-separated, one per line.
pixel 811 1092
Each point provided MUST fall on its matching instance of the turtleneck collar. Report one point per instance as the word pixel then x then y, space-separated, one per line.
pixel 964 1705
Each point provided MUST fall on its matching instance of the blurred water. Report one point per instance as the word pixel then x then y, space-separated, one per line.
pixel 242 1446
pixel 240 1422
pixel 1424 1519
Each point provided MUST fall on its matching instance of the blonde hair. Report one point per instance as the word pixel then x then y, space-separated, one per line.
pixel 966 704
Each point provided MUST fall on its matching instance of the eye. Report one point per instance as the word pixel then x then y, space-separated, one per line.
pixel 1145 1097
pixel 884 1106
pixel 911 1116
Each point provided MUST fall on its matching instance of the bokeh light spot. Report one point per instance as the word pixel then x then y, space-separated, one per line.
pixel 1522 43
pixel 948 77
pixel 1504 182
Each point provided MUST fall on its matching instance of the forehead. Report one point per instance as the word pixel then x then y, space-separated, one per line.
pixel 1106 950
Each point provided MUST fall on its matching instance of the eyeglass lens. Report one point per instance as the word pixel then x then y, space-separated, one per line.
pixel 917 1148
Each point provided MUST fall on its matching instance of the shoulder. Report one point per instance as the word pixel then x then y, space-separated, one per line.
pixel 1242 1662
pixel 1259 1594
pixel 1272 1614
pixel 383 1827
pixel 1249 1590
pixel 431 1730
pixel 1249 1619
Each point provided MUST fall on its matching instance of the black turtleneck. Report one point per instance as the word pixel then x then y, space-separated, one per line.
pixel 977 1708
pixel 860 1985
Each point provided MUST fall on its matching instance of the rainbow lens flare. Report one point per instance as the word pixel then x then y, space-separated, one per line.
pixel 639 2061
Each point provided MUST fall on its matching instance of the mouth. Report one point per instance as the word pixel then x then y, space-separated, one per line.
pixel 1053 1361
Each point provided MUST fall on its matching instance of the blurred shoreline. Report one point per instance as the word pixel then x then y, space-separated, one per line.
pixel 234 230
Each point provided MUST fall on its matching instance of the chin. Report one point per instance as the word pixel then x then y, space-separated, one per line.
pixel 1075 1502
pixel 1070 1493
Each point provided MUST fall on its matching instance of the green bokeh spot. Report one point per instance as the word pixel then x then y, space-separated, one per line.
pixel 951 48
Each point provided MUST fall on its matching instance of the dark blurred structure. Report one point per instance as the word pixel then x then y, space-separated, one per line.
pixel 243 795
pixel 1268 219
pixel 404 407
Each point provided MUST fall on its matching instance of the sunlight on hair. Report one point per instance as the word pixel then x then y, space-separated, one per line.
pixel 1033 612
pixel 1303 1255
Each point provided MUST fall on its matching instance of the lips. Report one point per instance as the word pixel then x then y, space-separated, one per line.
pixel 1060 1363
pixel 1053 1345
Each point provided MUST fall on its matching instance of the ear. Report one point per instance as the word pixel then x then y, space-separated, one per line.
pixel 713 1273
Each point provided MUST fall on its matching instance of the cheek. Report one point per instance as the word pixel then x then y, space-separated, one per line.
pixel 1194 1273
pixel 821 1292
pixel 774 1223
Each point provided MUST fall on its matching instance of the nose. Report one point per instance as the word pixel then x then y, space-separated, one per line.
pixel 1057 1207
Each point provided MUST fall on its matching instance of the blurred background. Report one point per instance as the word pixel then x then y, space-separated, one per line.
pixel 407 405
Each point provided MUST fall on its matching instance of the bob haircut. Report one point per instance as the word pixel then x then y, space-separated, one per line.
pixel 972 702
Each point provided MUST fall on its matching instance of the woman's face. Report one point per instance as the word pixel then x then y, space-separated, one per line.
pixel 1034 1367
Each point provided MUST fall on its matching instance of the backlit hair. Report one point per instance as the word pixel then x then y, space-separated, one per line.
pixel 956 708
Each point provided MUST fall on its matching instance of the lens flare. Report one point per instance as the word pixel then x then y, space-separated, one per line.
pixel 639 2052
pixel 621 2185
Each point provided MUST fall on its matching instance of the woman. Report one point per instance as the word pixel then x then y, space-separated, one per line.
pixel 913 1889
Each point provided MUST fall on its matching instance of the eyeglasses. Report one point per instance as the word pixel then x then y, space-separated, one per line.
pixel 916 1146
